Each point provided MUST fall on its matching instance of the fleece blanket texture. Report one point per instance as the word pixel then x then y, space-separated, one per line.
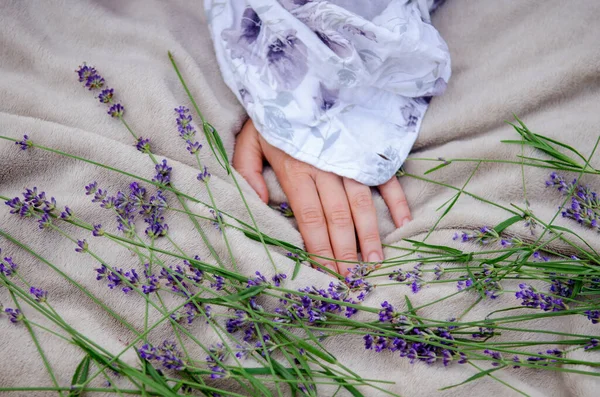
pixel 537 59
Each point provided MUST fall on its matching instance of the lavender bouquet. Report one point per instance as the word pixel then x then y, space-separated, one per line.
pixel 271 339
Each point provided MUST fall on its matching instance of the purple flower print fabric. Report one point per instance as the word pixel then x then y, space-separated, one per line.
pixel 340 84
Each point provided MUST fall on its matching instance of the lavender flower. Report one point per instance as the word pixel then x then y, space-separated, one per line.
pixel 97 230
pixel 204 176
pixel 106 95
pixel 278 279
pixel 218 284
pixel 116 110
pixel 285 209
pixel 94 82
pixel 218 353
pixel 585 204
pixel 45 222
pixel 67 214
pixel 143 145
pixel 14 315
pixel 166 354
pixel 156 225
pixel 464 284
pixel 92 188
pixel 7 267
pixel 258 280
pixel 414 277
pixel 163 173
pixel 84 72
pixel 592 344
pixel 218 219
pixel 484 235
pixel 438 270
pixel 39 294
pixel 25 143
pixel 593 316
pixel 193 147
pixel 496 356
pixel 530 298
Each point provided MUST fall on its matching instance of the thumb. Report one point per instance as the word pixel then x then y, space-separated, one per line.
pixel 248 159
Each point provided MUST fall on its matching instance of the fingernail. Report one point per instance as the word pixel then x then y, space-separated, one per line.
pixel 405 221
pixel 374 257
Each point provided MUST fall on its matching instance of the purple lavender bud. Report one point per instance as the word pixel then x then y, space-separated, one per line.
pixel 143 145
pixel 91 188
pixel 94 82
pixel 147 352
pixel 204 176
pixel 464 284
pixel 506 243
pixel 193 147
pixel 163 173
pixel 82 246
pixel 592 344
pixel 278 279
pixel 496 356
pixel 116 110
pixel 98 231
pixel 25 143
pixel 593 316
pixel 14 315
pixel 45 222
pixel 8 267
pixel 415 286
pixel 39 294
pixel 84 72
pixel 218 284
pixel 106 95
pixel 285 209
pixel 368 341
pixel 67 214
pixel 258 280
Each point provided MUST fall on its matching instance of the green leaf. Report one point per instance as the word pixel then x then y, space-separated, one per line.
pixel 285 374
pixel 452 251
pixel 245 294
pixel 510 221
pixel 80 377
pixel 437 167
pixel 296 269
pixel 353 390
pixel 317 352
pixel 269 240
pixel 474 377
pixel 222 272
pixel 149 368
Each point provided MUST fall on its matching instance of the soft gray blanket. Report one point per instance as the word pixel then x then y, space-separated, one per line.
pixel 537 59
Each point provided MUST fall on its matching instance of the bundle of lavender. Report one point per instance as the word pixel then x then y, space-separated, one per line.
pixel 272 338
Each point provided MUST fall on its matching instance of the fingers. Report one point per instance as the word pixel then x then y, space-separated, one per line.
pixel 394 197
pixel 339 219
pixel 296 179
pixel 365 220
pixel 311 220
pixel 248 160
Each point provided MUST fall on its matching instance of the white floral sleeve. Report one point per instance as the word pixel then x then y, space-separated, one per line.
pixel 340 84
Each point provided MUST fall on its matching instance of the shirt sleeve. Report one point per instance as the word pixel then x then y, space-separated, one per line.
pixel 340 84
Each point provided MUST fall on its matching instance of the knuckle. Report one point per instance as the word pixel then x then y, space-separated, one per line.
pixel 362 200
pixel 370 238
pixel 340 218
pixel 294 167
pixel 311 216
pixel 399 202
pixel 348 256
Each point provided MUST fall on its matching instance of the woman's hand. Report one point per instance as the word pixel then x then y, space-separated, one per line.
pixel 329 209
